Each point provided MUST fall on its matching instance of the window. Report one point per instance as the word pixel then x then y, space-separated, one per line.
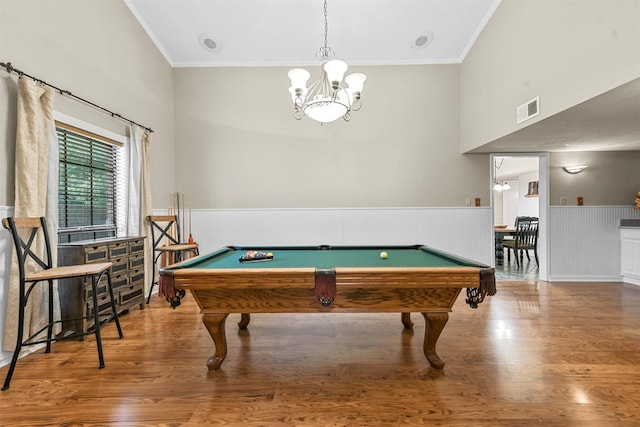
pixel 88 185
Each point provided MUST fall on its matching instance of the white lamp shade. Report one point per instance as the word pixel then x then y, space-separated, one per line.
pixel 322 109
pixel 355 82
pixel 343 96
pixel 326 113
pixel 299 77
pixel 335 70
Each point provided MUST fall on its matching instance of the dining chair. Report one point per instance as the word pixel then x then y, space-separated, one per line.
pixel 36 269
pixel 525 240
pixel 165 235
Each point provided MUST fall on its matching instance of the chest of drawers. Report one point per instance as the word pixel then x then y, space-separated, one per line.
pixel 127 278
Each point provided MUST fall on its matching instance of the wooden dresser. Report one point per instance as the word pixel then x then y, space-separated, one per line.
pixel 127 278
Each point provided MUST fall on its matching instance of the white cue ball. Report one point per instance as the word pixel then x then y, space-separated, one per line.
pixel 384 255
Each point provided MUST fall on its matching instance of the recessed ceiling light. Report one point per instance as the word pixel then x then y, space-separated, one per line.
pixel 209 43
pixel 423 39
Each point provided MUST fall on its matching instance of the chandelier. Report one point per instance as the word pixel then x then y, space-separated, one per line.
pixel 501 187
pixel 497 186
pixel 327 99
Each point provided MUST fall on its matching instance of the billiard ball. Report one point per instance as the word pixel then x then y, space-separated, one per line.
pixel 384 255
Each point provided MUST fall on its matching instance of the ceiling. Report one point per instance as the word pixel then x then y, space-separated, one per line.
pixel 210 33
pixel 215 33
pixel 509 168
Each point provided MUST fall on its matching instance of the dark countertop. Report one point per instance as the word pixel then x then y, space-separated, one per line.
pixel 630 223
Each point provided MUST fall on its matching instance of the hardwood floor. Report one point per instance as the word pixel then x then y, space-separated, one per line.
pixel 537 353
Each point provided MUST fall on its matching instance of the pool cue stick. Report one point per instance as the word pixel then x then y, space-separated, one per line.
pixel 169 212
pixel 177 230
pixel 190 235
pixel 173 213
pixel 184 219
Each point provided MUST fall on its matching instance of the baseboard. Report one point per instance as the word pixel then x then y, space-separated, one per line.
pixel 575 278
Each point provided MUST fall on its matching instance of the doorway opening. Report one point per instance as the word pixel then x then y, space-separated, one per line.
pixel 519 183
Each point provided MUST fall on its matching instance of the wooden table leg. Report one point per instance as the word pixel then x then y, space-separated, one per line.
pixel 215 326
pixel 245 318
pixel 434 324
pixel 499 250
pixel 406 320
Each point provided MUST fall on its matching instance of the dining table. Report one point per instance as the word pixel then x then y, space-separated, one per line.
pixel 501 232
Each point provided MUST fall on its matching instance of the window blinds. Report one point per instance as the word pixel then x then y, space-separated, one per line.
pixel 87 193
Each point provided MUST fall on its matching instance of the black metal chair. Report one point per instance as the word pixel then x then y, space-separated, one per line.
pixel 165 235
pixel 525 240
pixel 36 269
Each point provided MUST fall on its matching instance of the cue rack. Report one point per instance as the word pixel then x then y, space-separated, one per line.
pixel 178 230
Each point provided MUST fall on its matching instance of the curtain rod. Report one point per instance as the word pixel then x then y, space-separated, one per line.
pixel 10 69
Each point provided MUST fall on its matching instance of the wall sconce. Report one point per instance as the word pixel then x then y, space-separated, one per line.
pixel 574 169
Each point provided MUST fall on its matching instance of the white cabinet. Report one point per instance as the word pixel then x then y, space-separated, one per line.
pixel 630 255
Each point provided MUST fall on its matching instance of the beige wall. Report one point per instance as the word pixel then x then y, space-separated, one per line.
pixel 98 51
pixel 565 51
pixel 612 178
pixel 238 145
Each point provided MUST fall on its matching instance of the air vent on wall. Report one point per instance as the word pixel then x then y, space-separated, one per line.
pixel 528 110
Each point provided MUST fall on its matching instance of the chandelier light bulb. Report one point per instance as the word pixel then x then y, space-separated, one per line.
pixel 355 82
pixel 342 96
pixel 335 72
pixel 299 77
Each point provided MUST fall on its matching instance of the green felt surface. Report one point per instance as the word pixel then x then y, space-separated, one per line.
pixel 336 257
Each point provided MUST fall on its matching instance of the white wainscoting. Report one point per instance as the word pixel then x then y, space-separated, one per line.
pixel 463 231
pixel 584 242
pixel 6 251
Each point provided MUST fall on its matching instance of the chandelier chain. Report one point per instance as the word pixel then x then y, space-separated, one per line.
pixel 326 25
pixel 325 51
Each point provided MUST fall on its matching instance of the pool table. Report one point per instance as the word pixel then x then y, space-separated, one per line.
pixel 327 279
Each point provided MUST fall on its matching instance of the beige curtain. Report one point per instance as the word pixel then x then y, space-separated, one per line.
pixel 146 210
pixel 139 203
pixel 34 133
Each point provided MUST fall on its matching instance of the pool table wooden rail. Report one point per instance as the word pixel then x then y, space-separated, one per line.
pixel 358 289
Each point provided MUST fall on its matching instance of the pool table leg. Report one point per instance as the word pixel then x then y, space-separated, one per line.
pixel 245 318
pixel 215 326
pixel 434 324
pixel 406 320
